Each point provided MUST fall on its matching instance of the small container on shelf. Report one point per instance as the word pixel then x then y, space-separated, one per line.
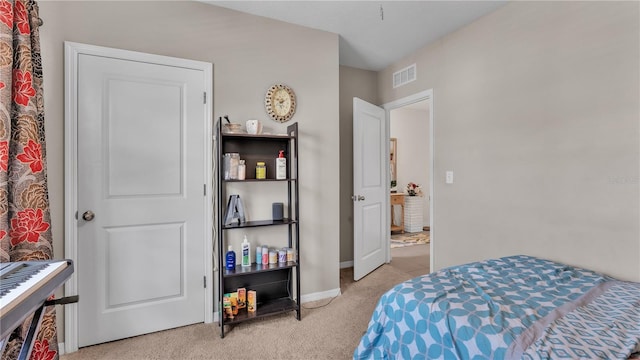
pixel 265 255
pixel 242 170
pixel 258 254
pixel 246 252
pixel 230 166
pixel 291 255
pixel 261 170
pixel 281 166
pixel 230 259
pixel 273 256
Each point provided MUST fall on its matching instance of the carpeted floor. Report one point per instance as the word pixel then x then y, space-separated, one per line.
pixel 330 329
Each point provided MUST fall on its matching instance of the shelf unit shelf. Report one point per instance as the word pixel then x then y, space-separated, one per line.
pixel 277 286
pixel 256 180
pixel 249 224
pixel 272 307
pixel 255 268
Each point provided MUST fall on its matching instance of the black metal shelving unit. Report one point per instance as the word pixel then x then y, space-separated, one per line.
pixel 274 283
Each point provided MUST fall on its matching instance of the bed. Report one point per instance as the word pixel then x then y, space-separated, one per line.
pixel 516 307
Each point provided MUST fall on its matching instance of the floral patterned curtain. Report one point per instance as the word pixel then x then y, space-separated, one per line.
pixel 25 230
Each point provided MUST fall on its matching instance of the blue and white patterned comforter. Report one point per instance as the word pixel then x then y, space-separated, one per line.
pixel 517 307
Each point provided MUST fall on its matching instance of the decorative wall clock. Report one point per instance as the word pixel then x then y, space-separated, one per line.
pixel 280 103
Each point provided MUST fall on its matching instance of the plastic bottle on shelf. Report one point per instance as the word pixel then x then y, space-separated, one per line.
pixel 230 259
pixel 246 252
pixel 281 166
pixel 230 166
pixel 258 254
pixel 242 170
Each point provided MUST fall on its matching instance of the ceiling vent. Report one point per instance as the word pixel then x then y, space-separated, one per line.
pixel 404 76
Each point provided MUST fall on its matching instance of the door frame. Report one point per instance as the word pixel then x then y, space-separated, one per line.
pixel 72 51
pixel 427 96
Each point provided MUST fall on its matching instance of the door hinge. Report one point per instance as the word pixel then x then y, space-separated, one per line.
pixel 205 281
pixel 204 97
pixel 205 189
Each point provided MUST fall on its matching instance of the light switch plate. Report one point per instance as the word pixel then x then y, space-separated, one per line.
pixel 448 177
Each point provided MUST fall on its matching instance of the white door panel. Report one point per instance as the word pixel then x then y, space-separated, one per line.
pixel 369 188
pixel 141 110
pixel 371 215
pixel 124 284
pixel 141 154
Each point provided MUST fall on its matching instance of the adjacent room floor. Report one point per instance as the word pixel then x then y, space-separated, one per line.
pixel 413 259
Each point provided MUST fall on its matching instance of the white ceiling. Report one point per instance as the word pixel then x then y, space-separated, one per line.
pixel 371 38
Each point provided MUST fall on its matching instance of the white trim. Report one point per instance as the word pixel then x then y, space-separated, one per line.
pixel 320 295
pixel 70 191
pixel 428 96
pixel 207 68
pixel 61 348
pixel 72 52
pixel 346 264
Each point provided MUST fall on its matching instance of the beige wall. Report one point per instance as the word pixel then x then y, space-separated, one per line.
pixel 247 60
pixel 536 110
pixel 362 84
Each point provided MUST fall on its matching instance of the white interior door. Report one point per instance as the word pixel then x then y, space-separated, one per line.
pixel 370 191
pixel 141 171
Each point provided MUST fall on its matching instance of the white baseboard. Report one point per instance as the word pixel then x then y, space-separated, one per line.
pixel 346 264
pixel 320 295
pixel 61 348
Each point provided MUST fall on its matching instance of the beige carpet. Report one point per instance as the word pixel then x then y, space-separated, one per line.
pixel 409 239
pixel 330 329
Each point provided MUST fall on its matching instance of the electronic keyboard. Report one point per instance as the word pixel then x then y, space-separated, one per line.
pixel 25 286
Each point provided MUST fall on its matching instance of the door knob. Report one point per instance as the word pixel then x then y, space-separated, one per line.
pixel 360 197
pixel 88 215
pixel 357 197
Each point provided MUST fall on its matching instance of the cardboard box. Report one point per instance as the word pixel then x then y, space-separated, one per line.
pixel 233 298
pixel 242 298
pixel 228 312
pixel 252 304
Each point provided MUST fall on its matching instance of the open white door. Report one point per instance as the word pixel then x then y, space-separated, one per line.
pixel 370 192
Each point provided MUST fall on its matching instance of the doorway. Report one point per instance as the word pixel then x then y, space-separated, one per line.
pixel 410 124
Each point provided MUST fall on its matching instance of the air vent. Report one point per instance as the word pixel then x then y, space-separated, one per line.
pixel 404 76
